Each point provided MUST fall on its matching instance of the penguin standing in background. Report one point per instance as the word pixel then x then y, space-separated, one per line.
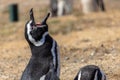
pixel 101 5
pixel 89 6
pixel 44 51
pixel 65 7
pixel 53 7
pixel 90 72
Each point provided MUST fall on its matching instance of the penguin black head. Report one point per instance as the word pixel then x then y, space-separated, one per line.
pixel 35 32
pixel 90 72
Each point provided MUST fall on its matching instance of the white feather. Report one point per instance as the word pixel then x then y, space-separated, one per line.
pixel 43 77
pixel 103 75
pixel 54 57
pixel 96 75
pixel 79 75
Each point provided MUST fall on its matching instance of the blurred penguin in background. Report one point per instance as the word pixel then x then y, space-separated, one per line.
pixel 64 7
pixel 54 7
pixel 101 5
pixel 89 6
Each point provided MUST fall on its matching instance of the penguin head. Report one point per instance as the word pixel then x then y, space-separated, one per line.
pixel 33 31
pixel 90 72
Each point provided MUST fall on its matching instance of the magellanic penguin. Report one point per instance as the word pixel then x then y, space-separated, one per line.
pixel 44 51
pixel 90 72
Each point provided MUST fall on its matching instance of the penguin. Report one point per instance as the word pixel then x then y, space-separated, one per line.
pixel 90 72
pixel 89 6
pixel 53 7
pixel 101 5
pixel 44 51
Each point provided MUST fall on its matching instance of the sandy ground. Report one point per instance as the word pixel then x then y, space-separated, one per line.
pixel 83 40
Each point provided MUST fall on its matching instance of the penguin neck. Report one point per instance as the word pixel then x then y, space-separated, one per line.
pixel 41 41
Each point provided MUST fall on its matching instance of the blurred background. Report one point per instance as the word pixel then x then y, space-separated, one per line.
pixel 85 36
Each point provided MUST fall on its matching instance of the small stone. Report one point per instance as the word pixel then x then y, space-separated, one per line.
pixel 67 58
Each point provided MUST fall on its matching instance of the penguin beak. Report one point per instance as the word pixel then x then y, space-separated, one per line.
pixel 32 17
pixel 45 19
pixel 33 24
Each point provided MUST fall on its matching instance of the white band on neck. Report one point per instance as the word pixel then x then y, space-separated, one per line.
pixel 96 75
pixel 79 75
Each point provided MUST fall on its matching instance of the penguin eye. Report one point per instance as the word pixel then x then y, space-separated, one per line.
pixel 32 27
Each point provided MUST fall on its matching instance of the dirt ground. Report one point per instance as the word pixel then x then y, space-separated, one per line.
pixel 83 39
